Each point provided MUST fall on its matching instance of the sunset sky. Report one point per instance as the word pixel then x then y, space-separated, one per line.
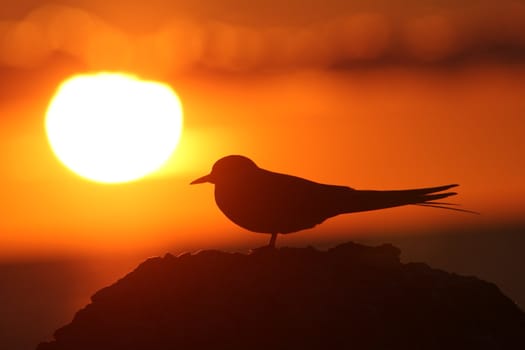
pixel 372 95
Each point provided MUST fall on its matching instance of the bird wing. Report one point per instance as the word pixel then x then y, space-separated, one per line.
pixel 294 203
pixel 307 203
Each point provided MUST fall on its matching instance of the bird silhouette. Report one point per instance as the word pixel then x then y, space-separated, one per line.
pixel 267 202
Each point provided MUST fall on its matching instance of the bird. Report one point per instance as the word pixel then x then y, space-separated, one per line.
pixel 268 202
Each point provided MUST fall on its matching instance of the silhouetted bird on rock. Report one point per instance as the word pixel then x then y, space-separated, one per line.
pixel 266 202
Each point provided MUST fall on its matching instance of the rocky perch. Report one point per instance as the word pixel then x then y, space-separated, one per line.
pixel 349 297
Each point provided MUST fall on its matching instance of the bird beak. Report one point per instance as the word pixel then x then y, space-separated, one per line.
pixel 201 180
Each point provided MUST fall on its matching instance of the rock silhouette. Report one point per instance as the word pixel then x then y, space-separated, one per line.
pixel 350 296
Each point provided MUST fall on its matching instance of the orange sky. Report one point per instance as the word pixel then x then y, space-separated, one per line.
pixel 419 122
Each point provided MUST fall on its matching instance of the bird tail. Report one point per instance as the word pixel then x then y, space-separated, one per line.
pixel 427 197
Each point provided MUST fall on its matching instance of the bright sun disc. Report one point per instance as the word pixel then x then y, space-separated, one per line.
pixel 111 127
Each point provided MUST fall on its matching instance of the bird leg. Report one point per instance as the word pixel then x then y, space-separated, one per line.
pixel 272 240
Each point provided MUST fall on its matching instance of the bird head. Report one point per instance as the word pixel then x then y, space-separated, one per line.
pixel 226 169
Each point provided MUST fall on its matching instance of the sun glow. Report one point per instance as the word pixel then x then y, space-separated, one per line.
pixel 112 127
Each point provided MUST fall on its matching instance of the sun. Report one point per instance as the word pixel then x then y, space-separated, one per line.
pixel 113 127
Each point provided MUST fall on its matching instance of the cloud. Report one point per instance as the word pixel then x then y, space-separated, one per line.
pixel 350 38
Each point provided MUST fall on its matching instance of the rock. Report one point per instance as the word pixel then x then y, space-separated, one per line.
pixel 351 296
